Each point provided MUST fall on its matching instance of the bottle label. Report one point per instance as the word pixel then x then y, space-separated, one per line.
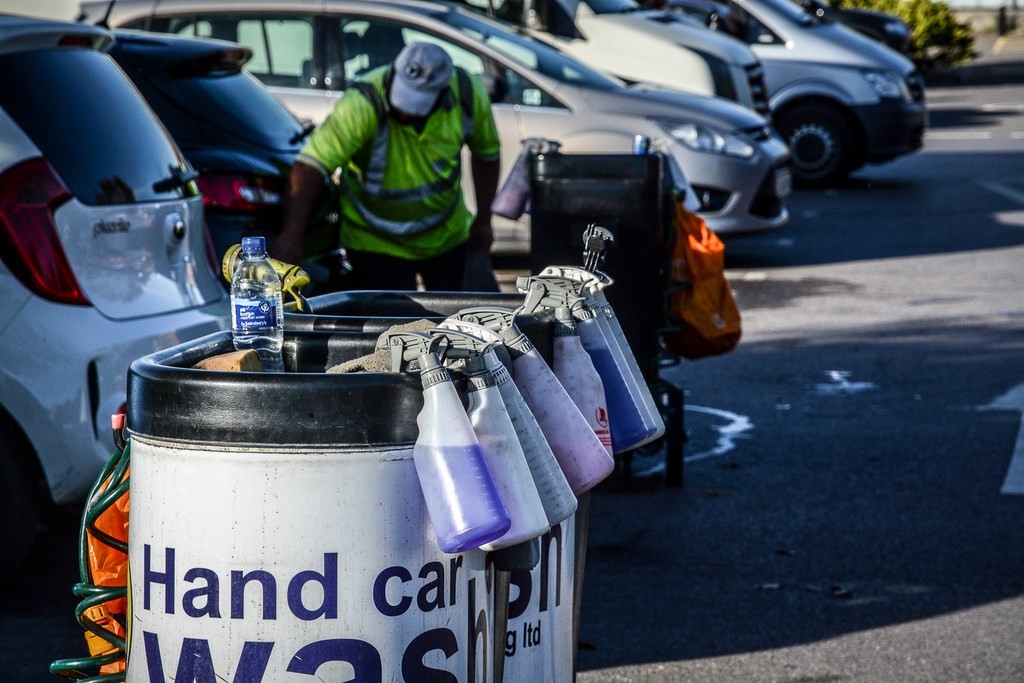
pixel 258 314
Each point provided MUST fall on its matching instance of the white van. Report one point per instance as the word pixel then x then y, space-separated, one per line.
pixel 640 46
pixel 840 99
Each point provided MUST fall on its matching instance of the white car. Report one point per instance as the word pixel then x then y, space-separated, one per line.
pixel 103 261
pixel 641 45
pixel 307 51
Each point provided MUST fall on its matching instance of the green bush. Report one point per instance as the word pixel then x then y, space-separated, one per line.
pixel 937 38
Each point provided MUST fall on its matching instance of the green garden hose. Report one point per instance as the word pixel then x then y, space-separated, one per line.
pixel 106 646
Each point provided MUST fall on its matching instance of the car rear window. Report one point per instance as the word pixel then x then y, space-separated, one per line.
pixel 232 105
pixel 91 124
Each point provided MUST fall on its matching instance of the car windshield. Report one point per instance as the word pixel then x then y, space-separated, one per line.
pixel 529 53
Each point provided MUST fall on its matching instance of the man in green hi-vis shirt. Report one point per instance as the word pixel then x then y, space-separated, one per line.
pixel 398 139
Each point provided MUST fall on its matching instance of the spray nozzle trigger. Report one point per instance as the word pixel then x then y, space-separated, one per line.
pixel 497 319
pixel 596 241
pixel 556 293
pixel 461 344
pixel 470 347
pixel 477 330
pixel 502 321
pixel 495 352
pixel 410 346
pixel 588 280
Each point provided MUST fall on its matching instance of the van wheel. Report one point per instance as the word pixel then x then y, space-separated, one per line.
pixel 821 143
pixel 19 505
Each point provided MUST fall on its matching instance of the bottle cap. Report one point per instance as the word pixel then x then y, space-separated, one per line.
pixel 479 375
pixel 563 329
pixel 432 371
pixel 252 245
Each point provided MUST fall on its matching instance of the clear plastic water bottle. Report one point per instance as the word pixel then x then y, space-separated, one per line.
pixel 257 309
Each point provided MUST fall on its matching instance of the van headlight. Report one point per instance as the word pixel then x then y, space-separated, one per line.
pixel 888 84
pixel 704 138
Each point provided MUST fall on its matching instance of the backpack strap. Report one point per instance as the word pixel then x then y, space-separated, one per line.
pixel 465 101
pixel 373 95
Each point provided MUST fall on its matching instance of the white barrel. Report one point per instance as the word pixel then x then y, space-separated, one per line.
pixel 278 533
pixel 272 566
pixel 539 637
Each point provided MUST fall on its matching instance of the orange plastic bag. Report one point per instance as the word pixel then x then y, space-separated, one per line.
pixel 108 567
pixel 702 314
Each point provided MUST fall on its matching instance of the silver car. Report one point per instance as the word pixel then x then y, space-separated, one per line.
pixel 103 261
pixel 307 51
pixel 840 99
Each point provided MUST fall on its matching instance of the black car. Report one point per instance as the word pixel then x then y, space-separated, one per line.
pixel 886 28
pixel 721 15
pixel 240 139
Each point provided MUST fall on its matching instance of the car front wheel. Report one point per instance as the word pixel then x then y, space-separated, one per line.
pixel 821 143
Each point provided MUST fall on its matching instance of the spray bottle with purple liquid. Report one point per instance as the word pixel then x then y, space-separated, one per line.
pixel 462 500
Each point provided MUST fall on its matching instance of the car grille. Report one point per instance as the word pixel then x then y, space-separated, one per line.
pixel 915 83
pixel 758 89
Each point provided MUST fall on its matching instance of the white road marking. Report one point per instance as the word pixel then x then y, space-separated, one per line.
pixel 1014 218
pixel 735 427
pixel 840 384
pixel 1009 106
pixel 1004 191
pixel 959 135
pixel 1013 485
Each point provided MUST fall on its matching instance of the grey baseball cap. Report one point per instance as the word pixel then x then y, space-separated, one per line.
pixel 421 72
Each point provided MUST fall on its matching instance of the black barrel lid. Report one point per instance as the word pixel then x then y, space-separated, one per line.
pixel 170 400
pixel 395 304
pixel 377 310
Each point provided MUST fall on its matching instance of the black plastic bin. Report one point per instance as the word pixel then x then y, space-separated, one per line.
pixel 625 194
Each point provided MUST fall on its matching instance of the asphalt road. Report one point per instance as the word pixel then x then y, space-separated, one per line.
pixel 842 516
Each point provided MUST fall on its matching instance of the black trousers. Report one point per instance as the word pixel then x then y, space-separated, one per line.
pixel 441 273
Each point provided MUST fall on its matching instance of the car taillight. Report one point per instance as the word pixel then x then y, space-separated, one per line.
pixel 29 194
pixel 240 192
pixel 76 40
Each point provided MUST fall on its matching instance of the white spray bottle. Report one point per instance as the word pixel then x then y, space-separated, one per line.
pixel 636 419
pixel 580 454
pixel 462 500
pixel 571 364
pixel 498 442
pixel 555 492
